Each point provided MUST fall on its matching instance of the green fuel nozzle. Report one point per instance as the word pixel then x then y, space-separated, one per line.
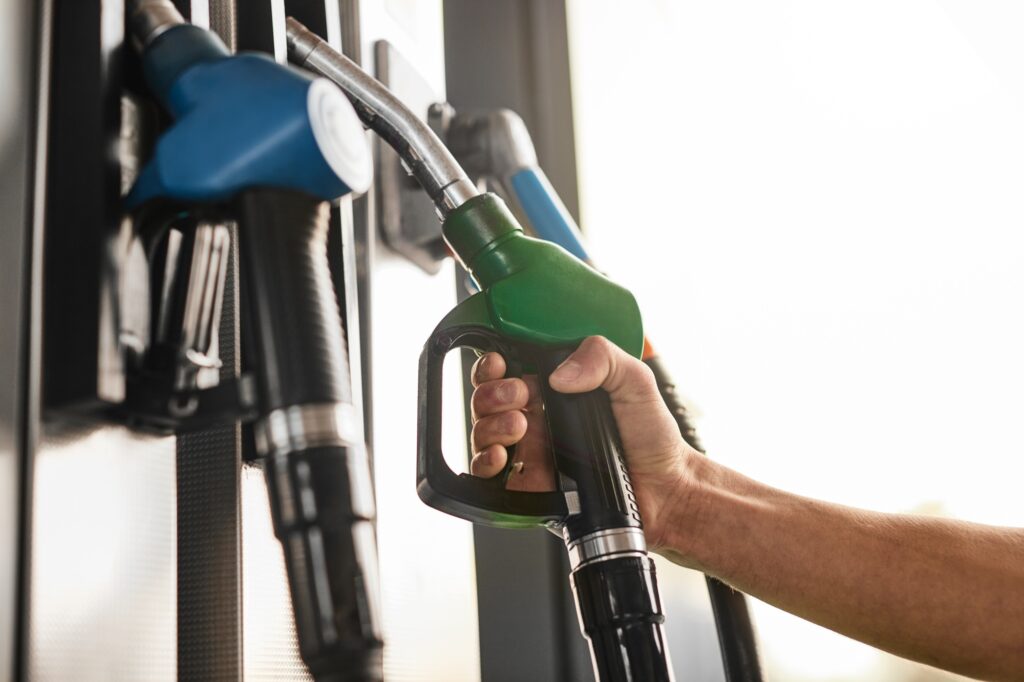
pixel 536 303
pixel 537 292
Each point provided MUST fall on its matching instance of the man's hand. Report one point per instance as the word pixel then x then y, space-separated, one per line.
pixel 510 412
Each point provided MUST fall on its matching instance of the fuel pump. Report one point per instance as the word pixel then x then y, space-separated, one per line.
pixel 267 147
pixel 536 303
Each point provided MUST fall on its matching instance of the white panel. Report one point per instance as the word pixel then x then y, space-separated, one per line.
pixel 426 557
pixel 104 566
pixel 270 648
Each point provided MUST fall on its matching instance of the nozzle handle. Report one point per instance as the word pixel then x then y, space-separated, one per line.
pixel 587 449
pixel 594 492
pixel 316 467
pixel 484 501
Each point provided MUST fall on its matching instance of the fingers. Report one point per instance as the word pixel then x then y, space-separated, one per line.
pixel 489 461
pixel 488 367
pixel 505 428
pixel 499 395
pixel 598 363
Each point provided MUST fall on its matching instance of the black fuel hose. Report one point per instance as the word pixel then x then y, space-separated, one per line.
pixel 736 636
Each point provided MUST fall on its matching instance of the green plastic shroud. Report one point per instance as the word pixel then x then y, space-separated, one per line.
pixel 533 291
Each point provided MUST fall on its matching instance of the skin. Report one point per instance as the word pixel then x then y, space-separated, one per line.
pixel 943 592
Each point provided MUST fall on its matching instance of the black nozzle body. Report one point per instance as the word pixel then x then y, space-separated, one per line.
pixel 316 467
pixel 620 614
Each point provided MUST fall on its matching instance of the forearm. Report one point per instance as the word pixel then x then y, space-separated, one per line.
pixel 946 593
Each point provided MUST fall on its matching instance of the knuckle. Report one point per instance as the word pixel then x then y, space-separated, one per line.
pixel 600 344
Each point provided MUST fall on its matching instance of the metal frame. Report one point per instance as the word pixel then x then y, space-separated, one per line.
pixel 22 169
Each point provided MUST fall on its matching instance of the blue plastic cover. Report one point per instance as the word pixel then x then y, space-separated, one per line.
pixel 242 121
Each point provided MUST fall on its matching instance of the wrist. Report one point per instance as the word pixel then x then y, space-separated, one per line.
pixel 683 498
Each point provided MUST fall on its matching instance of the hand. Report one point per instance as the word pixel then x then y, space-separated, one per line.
pixel 510 412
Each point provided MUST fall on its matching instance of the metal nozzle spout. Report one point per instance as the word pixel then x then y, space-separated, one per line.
pixel 431 163
pixel 147 19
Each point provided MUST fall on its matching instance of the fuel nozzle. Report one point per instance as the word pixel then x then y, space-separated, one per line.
pixel 267 147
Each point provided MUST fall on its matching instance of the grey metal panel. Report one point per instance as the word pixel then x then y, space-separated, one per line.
pixel 515 54
pixel 103 567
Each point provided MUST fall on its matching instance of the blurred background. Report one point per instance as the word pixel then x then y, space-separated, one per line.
pixel 818 206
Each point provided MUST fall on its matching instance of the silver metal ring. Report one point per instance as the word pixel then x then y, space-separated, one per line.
pixel 298 427
pixel 150 18
pixel 605 543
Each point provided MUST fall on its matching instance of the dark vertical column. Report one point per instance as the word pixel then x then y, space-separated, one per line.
pixel 514 54
pixel 209 497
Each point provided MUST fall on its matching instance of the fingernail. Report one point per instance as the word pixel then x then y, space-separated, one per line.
pixel 567 371
pixel 484 361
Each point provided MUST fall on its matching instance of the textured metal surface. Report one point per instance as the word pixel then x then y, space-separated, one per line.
pixel 209 499
pixel 103 565
pixel 209 522
pixel 209 579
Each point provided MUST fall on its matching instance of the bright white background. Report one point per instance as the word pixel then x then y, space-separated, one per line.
pixel 819 206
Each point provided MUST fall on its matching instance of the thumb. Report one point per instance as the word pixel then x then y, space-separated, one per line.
pixel 599 363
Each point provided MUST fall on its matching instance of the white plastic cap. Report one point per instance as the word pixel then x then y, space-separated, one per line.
pixel 339 134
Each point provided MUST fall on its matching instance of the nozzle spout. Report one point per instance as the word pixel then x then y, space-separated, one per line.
pixel 431 163
pixel 147 19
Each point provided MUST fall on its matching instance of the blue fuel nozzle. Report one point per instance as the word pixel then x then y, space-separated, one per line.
pixel 244 121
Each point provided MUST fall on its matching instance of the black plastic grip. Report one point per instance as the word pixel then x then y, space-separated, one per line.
pixel 295 338
pixel 323 513
pixel 736 637
pixel 620 614
pixel 587 449
pixel 321 497
pixel 484 501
